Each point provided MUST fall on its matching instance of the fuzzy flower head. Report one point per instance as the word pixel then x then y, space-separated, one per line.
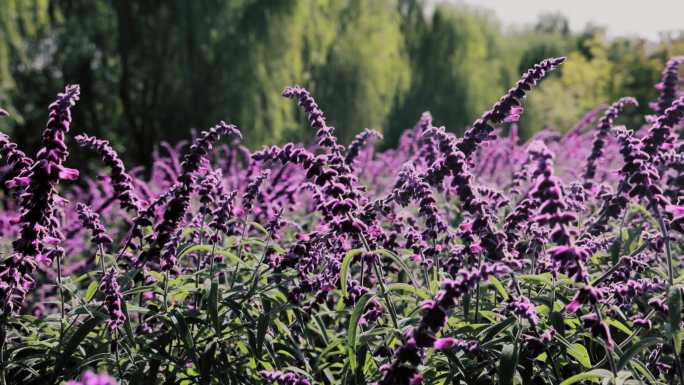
pixel 39 228
pixel 284 378
pixel 90 378
pixel 522 307
pixel 113 299
pixel 508 108
pixel 91 221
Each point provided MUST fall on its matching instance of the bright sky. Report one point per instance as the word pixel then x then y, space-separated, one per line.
pixel 643 18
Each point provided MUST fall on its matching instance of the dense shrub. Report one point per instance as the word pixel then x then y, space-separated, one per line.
pixel 446 260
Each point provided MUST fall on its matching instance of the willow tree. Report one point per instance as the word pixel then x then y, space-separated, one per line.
pixel 457 67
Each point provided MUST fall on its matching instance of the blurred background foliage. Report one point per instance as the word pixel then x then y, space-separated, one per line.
pixel 152 70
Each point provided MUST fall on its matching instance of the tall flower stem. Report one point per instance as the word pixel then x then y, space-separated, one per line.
pixel 477 290
pixel 3 339
pixel 166 291
pixel 239 256
pixel 255 274
pixel 668 248
pixel 61 297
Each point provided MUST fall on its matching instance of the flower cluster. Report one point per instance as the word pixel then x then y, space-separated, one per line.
pixel 408 356
pixel 284 378
pixel 113 300
pixel 602 130
pixel 122 182
pixel 13 157
pixel 165 234
pixel 90 378
pixel 357 144
pixel 508 108
pixel 39 226
pixel 91 221
pixel 669 85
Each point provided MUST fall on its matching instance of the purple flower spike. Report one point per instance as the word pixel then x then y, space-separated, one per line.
pixel 524 308
pixel 113 300
pixel 91 221
pixel 13 157
pixel 123 183
pixel 660 136
pixel 508 107
pixel 179 203
pixel 358 142
pixel 38 201
pixel 284 378
pixel 602 129
pixel 669 85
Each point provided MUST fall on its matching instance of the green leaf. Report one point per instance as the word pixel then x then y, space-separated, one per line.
pixel 641 368
pixel 208 248
pixel 90 292
pixel 499 286
pixel 351 329
pixel 262 326
pixel 543 278
pixel 596 375
pixel 344 269
pixel 258 226
pixel 580 353
pixel 399 262
pixel 635 349
pixel 507 364
pixel 490 332
pixel 184 331
pixel 400 286
pixel 674 304
pixel 128 329
pixel 619 325
pixel 74 341
pixel 141 289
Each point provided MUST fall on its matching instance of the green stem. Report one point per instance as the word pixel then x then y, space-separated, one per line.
pixel 239 256
pixel 3 339
pixel 255 274
pixel 61 297
pixel 477 290
pixel 166 291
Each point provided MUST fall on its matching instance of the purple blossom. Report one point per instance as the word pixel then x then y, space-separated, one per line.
pixel 507 108
pixel 358 142
pixel 602 130
pixel 90 378
pixel 669 85
pixel 661 136
pixel 113 299
pixel 38 224
pixel 13 157
pixel 122 182
pixel 91 221
pixel 180 197
pixel 284 378
pixel 524 308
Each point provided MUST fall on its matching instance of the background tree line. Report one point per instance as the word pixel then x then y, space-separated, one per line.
pixel 151 70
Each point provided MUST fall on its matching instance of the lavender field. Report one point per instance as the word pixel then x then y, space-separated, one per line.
pixel 473 259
